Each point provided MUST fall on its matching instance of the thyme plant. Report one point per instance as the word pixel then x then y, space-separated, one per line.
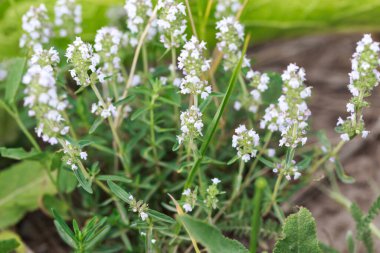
pixel 136 122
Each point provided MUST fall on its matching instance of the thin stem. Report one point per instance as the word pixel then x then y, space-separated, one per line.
pixel 322 160
pixel 145 60
pixel 205 20
pixel 248 179
pixel 260 186
pixel 194 30
pixel 134 64
pixel 120 149
pixel 26 132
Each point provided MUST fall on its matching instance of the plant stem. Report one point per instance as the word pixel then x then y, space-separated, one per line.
pixel 205 19
pixel 260 185
pixel 145 60
pixel 322 160
pixel 134 64
pixel 194 30
pixel 120 149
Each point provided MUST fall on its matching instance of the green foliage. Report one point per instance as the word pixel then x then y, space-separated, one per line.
pixel 363 231
pixel 210 237
pixel 20 194
pixel 7 246
pixel 82 240
pixel 17 153
pixel 299 234
pixel 15 71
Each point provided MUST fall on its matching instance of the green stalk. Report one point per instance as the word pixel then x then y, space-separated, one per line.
pixel 260 186
pixel 214 124
pixel 194 30
pixel 205 20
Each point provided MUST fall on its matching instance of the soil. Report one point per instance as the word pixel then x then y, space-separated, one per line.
pixel 326 60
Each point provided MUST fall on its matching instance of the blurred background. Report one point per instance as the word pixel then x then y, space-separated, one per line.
pixel 319 35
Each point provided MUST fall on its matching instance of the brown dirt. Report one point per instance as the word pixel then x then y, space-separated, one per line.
pixel 327 63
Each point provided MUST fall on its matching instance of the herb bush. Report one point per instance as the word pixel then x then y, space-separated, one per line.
pixel 169 145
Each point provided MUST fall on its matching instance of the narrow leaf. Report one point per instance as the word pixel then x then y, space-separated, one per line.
pixel 86 185
pixel 95 125
pixel 210 237
pixel 341 174
pixel 119 192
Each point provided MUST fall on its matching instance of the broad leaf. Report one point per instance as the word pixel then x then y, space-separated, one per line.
pixel 15 71
pixel 22 185
pixel 17 153
pixel 210 237
pixel 299 234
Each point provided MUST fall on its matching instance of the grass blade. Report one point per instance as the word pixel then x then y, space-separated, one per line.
pixel 212 129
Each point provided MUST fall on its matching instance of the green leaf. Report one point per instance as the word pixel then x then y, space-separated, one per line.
pixel 119 192
pixel 299 234
pixel 114 178
pixel 341 174
pixel 17 153
pixel 50 202
pixel 64 231
pixel 7 246
pixel 267 163
pixel 271 95
pixel 15 71
pixel 128 99
pixel 210 237
pixel 66 180
pixel 96 124
pixel 86 184
pixel 138 113
pixel 10 235
pixel 22 185
pixel 160 216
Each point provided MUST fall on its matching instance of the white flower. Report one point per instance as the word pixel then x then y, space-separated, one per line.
pixel 186 192
pixel 143 216
pixel 191 124
pixel 225 8
pixel 36 27
pixel 83 155
pixel 68 17
pixel 187 207
pixel 230 36
pixel 3 74
pixel 172 23
pixel 245 141
pixel 345 137
pixel 216 180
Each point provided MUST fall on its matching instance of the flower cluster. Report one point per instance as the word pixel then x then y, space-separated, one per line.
pixel 72 155
pixel 68 17
pixel 42 97
pixel 105 110
pixel 225 8
pixel 245 141
pixel 171 23
pixel 108 43
pixel 138 15
pixel 139 207
pixel 259 82
pixel 190 199
pixel 212 200
pixel 230 36
pixel 37 28
pixel 193 64
pixel 191 124
pixel 288 171
pixel 291 113
pixel 83 59
pixel 363 78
